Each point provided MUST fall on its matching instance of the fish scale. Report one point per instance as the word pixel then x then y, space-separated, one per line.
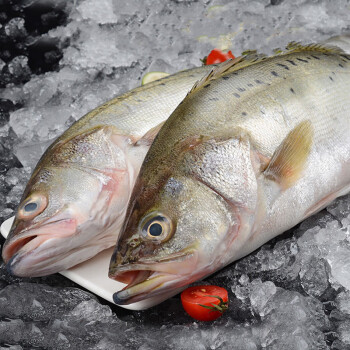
pixel 135 112
pixel 257 146
pixel 264 86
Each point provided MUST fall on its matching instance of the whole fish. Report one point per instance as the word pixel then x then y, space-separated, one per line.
pixel 75 201
pixel 256 147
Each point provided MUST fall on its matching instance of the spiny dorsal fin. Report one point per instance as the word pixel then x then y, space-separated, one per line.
pixel 250 57
pixel 298 47
pixel 249 52
pixel 228 67
pixel 215 72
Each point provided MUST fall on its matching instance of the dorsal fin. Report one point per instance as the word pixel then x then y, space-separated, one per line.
pixel 298 47
pixel 250 57
pixel 215 72
pixel 228 67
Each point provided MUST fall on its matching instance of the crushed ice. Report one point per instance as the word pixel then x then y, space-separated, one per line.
pixel 292 293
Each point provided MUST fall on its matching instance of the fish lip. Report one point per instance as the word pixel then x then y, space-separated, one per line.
pixel 10 265
pixel 13 262
pixel 17 258
pixel 158 282
pixel 128 295
pixel 30 232
pixel 54 219
pixel 18 265
pixel 124 297
pixel 145 264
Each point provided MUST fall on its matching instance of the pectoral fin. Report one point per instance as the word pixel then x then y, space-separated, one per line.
pixel 289 160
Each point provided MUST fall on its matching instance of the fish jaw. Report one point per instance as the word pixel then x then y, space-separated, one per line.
pixel 40 252
pixel 157 285
pixel 148 279
pixel 34 237
pixel 30 245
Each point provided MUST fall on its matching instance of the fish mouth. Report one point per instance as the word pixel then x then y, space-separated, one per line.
pixel 145 279
pixel 32 242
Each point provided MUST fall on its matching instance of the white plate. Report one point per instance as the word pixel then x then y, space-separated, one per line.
pixel 93 275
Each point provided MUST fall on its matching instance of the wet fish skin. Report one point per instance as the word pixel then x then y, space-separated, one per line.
pixel 243 158
pixel 75 201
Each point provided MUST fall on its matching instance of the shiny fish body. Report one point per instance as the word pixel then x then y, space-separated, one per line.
pixel 75 200
pixel 255 148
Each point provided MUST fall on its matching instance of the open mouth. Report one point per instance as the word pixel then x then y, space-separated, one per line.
pixel 11 249
pixel 146 280
pixel 145 284
pixel 20 245
pixel 24 257
pixel 58 228
pixel 14 253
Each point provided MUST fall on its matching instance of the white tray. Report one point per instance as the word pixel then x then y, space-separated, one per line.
pixel 93 275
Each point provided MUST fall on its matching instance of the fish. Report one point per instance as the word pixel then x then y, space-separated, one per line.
pixel 75 201
pixel 257 146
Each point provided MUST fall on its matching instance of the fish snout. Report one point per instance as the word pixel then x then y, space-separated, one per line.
pixel 15 251
pixel 16 238
pixel 12 247
pixel 140 284
pixel 28 244
pixel 148 277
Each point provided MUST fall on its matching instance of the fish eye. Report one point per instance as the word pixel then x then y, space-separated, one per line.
pixel 157 227
pixel 32 206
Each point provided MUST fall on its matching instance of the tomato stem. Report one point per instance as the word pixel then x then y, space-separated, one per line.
pixel 221 307
pixel 204 60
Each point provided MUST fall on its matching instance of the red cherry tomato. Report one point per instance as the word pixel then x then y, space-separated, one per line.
pixel 217 56
pixel 205 303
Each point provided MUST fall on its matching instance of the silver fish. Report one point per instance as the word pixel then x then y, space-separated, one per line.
pixel 256 147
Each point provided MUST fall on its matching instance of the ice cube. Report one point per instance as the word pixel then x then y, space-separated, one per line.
pixel 101 14
pixel 343 302
pixel 19 69
pixel 2 64
pixel 107 344
pixel 314 277
pixel 260 294
pixel 91 311
pixel 29 154
pixel 301 328
pixel 11 347
pixel 344 333
pixel 15 28
pixel 340 208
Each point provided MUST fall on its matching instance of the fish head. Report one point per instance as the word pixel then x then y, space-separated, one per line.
pixel 68 213
pixel 47 218
pixel 172 242
pixel 188 217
